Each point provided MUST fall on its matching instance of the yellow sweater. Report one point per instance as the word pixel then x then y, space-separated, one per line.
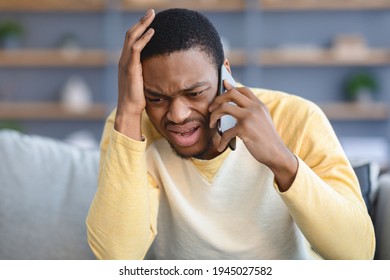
pixel 228 207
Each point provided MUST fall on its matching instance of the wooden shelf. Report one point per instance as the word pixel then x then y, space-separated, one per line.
pixel 201 5
pixel 284 58
pixel 350 111
pixel 323 5
pixel 53 58
pixel 53 5
pixel 83 58
pixel 48 111
pixel 237 57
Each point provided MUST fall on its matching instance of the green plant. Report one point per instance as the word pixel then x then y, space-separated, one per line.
pixel 13 125
pixel 11 28
pixel 361 82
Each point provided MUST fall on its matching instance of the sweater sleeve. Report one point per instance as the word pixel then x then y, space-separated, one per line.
pixel 121 222
pixel 325 199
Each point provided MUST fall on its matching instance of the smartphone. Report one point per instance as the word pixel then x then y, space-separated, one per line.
pixel 226 122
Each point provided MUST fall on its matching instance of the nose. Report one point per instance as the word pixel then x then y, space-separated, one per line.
pixel 179 110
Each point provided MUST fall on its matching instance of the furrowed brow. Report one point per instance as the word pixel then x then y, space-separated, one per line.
pixel 154 93
pixel 194 86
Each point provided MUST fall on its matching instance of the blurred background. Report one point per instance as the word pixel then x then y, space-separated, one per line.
pixel 58 72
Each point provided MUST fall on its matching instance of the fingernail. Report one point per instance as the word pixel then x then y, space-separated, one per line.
pixel 149 13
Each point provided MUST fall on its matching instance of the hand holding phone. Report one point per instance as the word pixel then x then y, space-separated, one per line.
pixel 226 122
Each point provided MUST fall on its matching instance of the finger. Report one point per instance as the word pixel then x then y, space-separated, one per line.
pixel 226 137
pixel 249 94
pixel 232 95
pixel 243 90
pixel 226 109
pixel 139 28
pixel 228 86
pixel 136 31
pixel 138 46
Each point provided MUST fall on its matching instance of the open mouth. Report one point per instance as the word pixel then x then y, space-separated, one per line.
pixel 187 132
pixel 184 136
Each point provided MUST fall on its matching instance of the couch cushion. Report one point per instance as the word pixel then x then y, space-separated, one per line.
pixel 367 174
pixel 381 218
pixel 46 187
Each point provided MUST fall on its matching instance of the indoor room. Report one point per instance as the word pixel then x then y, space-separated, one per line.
pixel 59 84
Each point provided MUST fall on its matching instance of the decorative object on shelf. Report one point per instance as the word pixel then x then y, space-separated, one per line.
pixel 350 47
pixel 76 96
pixel 11 34
pixel 69 45
pixel 361 86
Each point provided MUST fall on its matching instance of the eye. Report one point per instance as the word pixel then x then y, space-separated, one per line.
pixel 195 94
pixel 156 100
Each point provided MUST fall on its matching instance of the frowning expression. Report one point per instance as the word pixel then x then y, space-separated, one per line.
pixel 179 88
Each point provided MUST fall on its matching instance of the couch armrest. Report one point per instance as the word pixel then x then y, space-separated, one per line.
pixel 382 218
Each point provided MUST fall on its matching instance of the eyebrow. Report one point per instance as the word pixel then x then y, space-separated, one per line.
pixel 187 89
pixel 194 86
pixel 153 93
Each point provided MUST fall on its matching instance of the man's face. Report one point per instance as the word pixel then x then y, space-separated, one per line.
pixel 179 89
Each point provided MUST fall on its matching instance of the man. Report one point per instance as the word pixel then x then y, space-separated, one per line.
pixel 169 188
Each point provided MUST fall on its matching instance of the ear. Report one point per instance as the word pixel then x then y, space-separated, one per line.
pixel 227 64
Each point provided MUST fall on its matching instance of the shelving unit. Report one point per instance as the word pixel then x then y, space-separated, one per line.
pixel 320 71
pixel 52 118
pixel 310 5
pixel 48 59
pixel 52 58
pixel 264 60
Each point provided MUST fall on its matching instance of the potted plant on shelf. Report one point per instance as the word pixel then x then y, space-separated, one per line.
pixel 361 87
pixel 11 125
pixel 11 33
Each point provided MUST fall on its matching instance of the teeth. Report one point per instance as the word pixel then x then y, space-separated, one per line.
pixel 181 133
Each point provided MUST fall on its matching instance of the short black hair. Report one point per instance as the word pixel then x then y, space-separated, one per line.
pixel 180 30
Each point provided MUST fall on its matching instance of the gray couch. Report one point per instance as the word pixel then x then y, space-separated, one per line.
pixel 46 187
